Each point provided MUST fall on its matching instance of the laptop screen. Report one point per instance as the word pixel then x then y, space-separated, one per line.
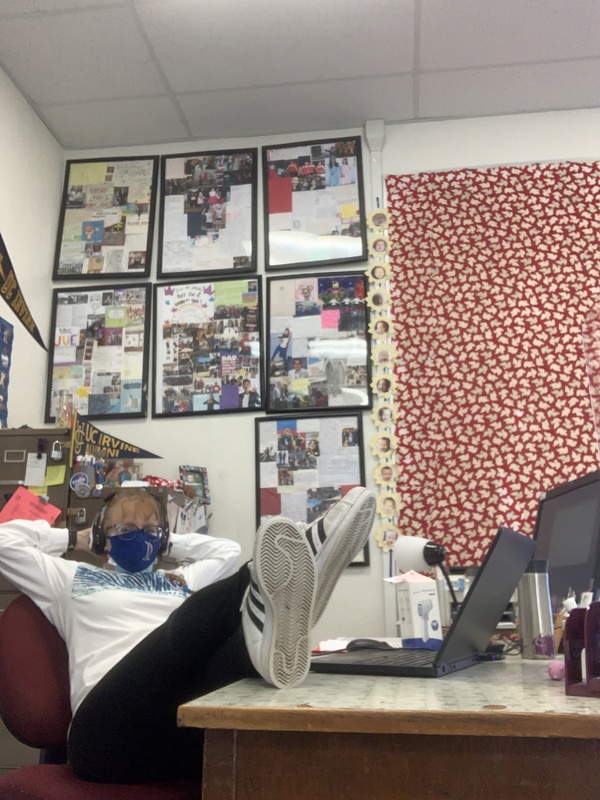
pixel 488 596
pixel 567 533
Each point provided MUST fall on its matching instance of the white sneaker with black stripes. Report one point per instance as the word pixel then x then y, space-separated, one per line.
pixel 277 610
pixel 337 538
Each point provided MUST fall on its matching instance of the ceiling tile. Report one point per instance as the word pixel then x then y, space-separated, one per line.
pixel 272 67
pixel 470 33
pixel 113 123
pixel 257 44
pixel 502 90
pixel 323 106
pixel 92 54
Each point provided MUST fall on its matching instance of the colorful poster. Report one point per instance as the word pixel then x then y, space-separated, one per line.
pixel 208 213
pixel 305 464
pixel 207 348
pixel 105 227
pixel 314 206
pixel 318 343
pixel 99 351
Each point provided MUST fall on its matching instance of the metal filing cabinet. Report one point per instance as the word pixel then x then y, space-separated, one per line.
pixel 16 444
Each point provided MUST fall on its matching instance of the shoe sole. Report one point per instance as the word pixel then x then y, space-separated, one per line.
pixel 285 569
pixel 342 546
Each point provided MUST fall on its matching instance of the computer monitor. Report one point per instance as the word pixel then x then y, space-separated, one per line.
pixel 567 532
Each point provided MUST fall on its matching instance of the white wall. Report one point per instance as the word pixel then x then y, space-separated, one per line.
pixel 488 141
pixel 32 170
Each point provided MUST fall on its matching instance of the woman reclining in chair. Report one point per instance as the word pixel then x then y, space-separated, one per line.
pixel 142 641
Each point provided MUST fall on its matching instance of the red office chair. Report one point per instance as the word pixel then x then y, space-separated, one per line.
pixel 35 707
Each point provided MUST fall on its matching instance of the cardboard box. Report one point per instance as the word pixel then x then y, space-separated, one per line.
pixel 418 609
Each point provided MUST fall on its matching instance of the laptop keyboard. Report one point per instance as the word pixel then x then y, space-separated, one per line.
pixel 413 658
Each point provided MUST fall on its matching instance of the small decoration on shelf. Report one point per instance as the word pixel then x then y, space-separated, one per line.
pixel 196 478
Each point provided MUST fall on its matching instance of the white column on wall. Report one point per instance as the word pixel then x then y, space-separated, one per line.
pixel 375 138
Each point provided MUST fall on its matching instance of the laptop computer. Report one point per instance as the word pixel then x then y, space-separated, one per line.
pixel 469 634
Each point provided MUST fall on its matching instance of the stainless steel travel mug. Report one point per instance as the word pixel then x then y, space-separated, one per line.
pixel 535 612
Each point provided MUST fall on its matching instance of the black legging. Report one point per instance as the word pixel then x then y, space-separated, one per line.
pixel 125 730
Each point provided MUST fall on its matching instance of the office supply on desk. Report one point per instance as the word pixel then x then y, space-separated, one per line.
pixel 367 644
pixel 469 634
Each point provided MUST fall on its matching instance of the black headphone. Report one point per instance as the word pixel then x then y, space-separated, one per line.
pixel 98 536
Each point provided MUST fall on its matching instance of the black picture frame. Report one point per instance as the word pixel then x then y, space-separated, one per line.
pixel 106 223
pixel 318 351
pixel 305 464
pixel 314 219
pixel 207 342
pixel 90 350
pixel 208 213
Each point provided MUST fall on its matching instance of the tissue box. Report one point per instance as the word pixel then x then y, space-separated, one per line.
pixel 418 610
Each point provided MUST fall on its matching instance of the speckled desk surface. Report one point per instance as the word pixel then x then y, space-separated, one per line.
pixel 504 698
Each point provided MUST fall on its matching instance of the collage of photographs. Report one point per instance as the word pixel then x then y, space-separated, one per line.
pixel 105 227
pixel 318 348
pixel 314 203
pixel 207 347
pixel 306 464
pixel 99 350
pixel 208 213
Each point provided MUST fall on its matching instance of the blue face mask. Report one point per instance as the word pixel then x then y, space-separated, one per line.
pixel 136 553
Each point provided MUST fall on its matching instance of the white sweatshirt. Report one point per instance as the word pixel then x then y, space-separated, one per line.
pixel 99 613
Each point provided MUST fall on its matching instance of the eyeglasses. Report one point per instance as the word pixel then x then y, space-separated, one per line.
pixel 127 531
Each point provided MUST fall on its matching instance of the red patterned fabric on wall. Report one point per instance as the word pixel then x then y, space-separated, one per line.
pixel 494 271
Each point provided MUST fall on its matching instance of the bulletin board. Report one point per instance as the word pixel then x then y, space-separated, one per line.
pixel 493 273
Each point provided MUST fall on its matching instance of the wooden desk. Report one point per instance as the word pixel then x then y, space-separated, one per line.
pixel 498 730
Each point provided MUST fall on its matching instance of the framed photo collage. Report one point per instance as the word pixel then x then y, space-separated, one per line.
pixel 221 342
pixel 203 318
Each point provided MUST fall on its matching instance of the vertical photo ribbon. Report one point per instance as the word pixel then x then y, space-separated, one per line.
pixel 11 293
